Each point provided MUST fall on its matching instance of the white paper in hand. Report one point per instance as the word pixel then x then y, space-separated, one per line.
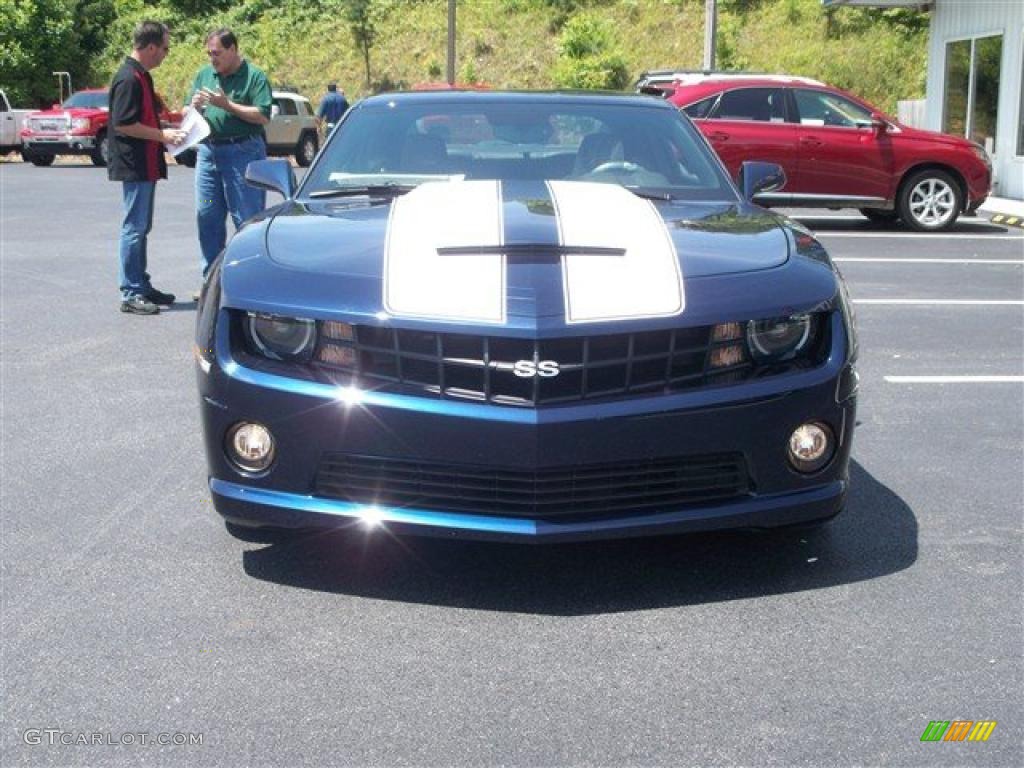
pixel 196 129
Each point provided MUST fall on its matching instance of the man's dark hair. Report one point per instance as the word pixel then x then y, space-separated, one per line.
pixel 332 86
pixel 225 35
pixel 148 33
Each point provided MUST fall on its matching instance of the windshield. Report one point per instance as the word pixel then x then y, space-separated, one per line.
pixel 87 100
pixel 401 144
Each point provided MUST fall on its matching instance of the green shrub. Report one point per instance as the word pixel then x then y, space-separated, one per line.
pixel 589 56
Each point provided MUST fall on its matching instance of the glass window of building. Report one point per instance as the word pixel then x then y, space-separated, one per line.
pixel 971 96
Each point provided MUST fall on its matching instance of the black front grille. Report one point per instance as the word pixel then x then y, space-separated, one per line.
pixel 484 368
pixel 579 491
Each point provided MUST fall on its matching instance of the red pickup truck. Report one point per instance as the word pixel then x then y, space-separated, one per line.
pixel 76 127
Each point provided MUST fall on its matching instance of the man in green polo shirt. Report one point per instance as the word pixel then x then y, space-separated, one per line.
pixel 234 97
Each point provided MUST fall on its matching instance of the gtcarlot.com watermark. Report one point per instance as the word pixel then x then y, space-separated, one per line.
pixel 52 737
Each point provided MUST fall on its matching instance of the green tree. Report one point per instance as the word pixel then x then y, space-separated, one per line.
pixel 362 21
pixel 37 38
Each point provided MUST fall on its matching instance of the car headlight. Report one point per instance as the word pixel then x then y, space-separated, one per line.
pixel 780 338
pixel 982 154
pixel 80 123
pixel 281 338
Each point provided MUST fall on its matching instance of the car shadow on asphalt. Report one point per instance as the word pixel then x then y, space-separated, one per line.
pixel 874 537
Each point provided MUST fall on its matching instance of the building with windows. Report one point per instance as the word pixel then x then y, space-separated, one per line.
pixel 975 82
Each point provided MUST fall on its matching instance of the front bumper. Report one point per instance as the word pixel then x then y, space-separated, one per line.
pixel 60 145
pixel 311 420
pixel 262 507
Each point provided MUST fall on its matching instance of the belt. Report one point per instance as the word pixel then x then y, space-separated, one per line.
pixel 231 139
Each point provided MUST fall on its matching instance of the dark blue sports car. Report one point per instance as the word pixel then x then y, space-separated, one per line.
pixel 524 316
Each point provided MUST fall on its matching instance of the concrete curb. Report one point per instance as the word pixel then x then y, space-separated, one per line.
pixel 1004 211
pixel 1007 220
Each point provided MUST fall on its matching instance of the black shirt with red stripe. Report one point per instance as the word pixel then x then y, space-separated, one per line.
pixel 133 100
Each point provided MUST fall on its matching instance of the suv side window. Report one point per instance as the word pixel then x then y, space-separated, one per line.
pixel 765 105
pixel 305 108
pixel 702 108
pixel 286 106
pixel 824 108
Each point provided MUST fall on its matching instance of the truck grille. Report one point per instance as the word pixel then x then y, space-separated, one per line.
pixel 49 124
pixel 591 491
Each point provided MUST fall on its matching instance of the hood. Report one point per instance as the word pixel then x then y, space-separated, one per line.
pixel 74 112
pixel 920 134
pixel 489 252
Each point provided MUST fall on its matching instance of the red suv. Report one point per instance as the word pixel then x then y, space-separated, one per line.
pixel 837 151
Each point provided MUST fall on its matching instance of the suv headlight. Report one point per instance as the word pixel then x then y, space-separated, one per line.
pixel 982 154
pixel 780 338
pixel 80 124
pixel 281 338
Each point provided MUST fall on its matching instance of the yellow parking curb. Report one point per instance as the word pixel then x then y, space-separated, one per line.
pixel 1010 221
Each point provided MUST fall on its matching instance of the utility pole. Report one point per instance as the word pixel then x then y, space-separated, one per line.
pixel 451 43
pixel 710 30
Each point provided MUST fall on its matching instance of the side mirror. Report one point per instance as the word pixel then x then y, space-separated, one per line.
pixel 877 123
pixel 756 177
pixel 275 175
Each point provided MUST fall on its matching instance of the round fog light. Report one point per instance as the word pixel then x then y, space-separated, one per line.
pixel 810 447
pixel 251 446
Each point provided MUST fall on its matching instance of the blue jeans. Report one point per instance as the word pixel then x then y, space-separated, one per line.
pixel 138 220
pixel 221 189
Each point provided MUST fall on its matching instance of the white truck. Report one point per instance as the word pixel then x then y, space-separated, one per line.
pixel 10 125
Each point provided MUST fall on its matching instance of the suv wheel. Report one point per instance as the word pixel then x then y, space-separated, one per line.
pixel 878 216
pixel 306 150
pixel 930 201
pixel 40 160
pixel 101 154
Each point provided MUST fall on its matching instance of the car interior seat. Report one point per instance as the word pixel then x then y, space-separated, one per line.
pixel 423 153
pixel 595 150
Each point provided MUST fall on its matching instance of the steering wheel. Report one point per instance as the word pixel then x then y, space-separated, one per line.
pixel 615 166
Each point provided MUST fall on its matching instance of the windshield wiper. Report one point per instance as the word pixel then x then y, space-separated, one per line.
pixel 370 190
pixel 647 194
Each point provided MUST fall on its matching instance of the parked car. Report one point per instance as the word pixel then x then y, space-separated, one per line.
pixel 293 130
pixel 76 127
pixel 10 125
pixel 838 151
pixel 523 316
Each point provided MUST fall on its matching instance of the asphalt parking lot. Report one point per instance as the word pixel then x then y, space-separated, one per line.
pixel 128 611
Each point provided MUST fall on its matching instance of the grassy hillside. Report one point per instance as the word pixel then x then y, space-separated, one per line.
pixel 515 43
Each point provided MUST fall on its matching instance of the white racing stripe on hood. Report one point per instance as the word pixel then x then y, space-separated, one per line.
pixel 465 287
pixel 644 282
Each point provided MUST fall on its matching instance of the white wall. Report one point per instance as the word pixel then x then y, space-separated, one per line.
pixel 960 19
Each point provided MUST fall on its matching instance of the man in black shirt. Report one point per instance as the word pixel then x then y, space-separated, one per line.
pixel 137 161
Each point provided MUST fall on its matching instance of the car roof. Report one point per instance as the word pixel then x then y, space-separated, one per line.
pixel 456 96
pixel 289 94
pixel 701 78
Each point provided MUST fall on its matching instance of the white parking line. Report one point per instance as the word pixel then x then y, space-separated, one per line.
pixel 931 261
pixel 979 236
pixel 943 302
pixel 955 379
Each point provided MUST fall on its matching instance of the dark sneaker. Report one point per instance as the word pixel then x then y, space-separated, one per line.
pixel 139 305
pixel 159 297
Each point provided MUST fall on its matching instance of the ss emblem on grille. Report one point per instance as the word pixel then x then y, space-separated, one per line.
pixel 526 369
